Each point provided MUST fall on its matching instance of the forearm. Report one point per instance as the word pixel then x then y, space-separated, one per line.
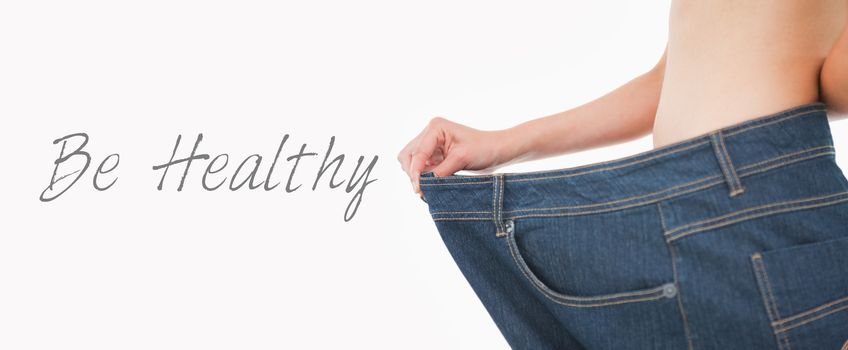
pixel 622 114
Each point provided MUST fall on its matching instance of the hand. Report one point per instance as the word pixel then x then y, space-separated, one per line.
pixel 445 147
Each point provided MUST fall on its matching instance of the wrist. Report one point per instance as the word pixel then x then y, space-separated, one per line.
pixel 514 144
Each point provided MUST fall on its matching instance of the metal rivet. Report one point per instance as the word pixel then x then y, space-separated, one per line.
pixel 508 226
pixel 669 290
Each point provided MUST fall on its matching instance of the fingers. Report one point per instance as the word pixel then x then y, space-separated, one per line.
pixel 455 162
pixel 432 140
pixel 421 150
pixel 434 161
pixel 405 154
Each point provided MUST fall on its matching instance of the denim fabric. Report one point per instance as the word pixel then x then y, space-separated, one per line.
pixel 736 239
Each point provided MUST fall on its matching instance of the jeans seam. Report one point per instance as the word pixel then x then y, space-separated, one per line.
pixel 816 313
pixel 671 189
pixel 646 202
pixel 787 155
pixel 734 217
pixel 759 125
pixel 690 183
pixel 685 227
pixel 723 163
pixel 684 318
pixel 455 183
pixel 784 163
pixel 461 212
pixel 736 185
pixel 769 302
pixel 743 172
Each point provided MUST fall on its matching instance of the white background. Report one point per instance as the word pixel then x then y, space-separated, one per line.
pixel 136 268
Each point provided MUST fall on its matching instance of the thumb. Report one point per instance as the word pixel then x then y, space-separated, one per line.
pixel 450 165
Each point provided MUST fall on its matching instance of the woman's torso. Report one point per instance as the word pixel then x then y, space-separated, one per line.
pixel 729 61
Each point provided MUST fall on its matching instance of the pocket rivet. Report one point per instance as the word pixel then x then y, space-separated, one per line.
pixel 669 290
pixel 508 226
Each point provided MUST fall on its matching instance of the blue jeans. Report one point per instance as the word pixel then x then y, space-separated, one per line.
pixel 736 239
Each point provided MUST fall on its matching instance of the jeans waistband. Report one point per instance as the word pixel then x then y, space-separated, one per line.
pixel 721 157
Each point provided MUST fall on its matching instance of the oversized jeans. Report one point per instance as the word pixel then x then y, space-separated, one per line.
pixel 735 239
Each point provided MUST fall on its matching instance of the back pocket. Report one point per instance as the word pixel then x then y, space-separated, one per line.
pixel 805 292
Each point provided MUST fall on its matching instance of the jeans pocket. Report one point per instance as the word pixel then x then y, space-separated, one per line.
pixel 549 274
pixel 805 293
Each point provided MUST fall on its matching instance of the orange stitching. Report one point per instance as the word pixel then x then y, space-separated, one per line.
pixel 722 164
pixel 810 311
pixel 743 172
pixel 455 183
pixel 673 255
pixel 500 201
pixel 596 301
pixel 811 319
pixel 782 156
pixel 694 189
pixel 774 121
pixel 735 179
pixel 768 296
pixel 617 200
pixel 459 212
pixel 454 219
pixel 754 216
pixel 734 213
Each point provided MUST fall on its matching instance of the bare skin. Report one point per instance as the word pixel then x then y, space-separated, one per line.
pixel 725 62
pixel 731 61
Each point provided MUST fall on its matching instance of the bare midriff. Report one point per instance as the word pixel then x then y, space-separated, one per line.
pixel 730 61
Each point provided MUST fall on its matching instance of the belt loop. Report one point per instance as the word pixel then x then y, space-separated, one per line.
pixel 727 168
pixel 497 204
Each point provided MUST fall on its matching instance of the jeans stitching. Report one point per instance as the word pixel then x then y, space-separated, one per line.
pixel 722 161
pixel 500 200
pixel 646 202
pixel 575 301
pixel 736 184
pixel 755 208
pixel 767 296
pixel 780 164
pixel 708 185
pixel 743 172
pixel 814 314
pixel 455 183
pixel 460 212
pixel 686 329
pixel 811 311
pixel 732 220
pixel 669 189
pixel 769 122
pixel 814 318
pixel 499 231
pixel 788 155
